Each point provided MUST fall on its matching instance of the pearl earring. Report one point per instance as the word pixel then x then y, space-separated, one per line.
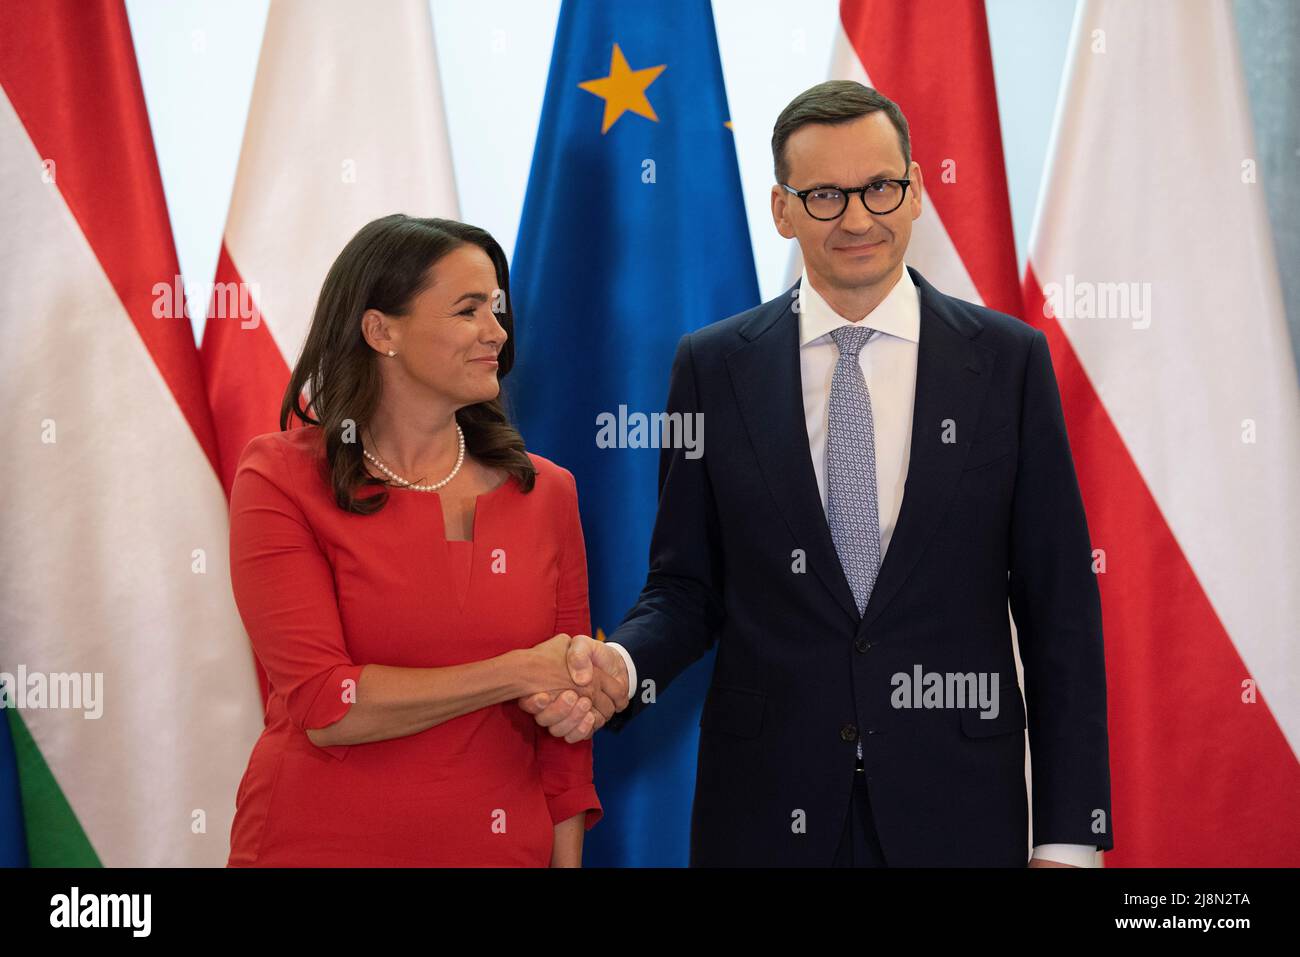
pixel 391 353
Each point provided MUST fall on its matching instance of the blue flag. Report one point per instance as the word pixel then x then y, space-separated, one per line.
pixel 633 234
pixel 13 840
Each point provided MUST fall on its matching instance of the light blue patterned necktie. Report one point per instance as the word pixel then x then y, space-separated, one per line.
pixel 852 503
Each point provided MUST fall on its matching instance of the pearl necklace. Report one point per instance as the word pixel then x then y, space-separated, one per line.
pixel 460 460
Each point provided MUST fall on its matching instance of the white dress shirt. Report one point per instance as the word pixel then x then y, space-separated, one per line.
pixel 888 364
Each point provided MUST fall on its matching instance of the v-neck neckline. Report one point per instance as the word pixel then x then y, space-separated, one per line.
pixel 451 547
pixel 442 514
pixel 479 499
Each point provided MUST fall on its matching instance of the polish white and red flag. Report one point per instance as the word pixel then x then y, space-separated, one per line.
pixel 346 125
pixel 1152 272
pixel 939 71
pixel 128 677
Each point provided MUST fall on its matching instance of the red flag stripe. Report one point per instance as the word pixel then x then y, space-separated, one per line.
pixel 245 371
pixel 246 376
pixel 1199 778
pixel 939 70
pixel 97 133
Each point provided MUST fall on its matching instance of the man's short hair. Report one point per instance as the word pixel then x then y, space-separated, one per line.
pixel 835 102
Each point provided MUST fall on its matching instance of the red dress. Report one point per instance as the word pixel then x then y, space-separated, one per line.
pixel 323 592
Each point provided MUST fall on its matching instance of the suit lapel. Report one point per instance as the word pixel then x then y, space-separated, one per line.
pixel 765 374
pixel 952 377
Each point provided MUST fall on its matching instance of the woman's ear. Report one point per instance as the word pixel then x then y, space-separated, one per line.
pixel 377 330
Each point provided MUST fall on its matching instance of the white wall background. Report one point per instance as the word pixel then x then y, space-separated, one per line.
pixel 198 59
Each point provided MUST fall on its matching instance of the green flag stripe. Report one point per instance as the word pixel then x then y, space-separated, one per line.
pixel 55 837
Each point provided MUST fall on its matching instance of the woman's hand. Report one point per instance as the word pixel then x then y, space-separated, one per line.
pixel 551 676
pixel 587 706
pixel 547 667
pixel 571 709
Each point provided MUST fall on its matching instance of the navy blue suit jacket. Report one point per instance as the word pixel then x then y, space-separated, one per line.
pixel 742 555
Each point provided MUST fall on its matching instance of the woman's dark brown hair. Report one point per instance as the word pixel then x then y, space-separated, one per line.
pixel 384 266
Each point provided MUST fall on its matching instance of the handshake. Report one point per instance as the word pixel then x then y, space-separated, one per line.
pixel 588 683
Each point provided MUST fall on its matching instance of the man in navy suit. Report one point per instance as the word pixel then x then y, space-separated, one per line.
pixel 886 469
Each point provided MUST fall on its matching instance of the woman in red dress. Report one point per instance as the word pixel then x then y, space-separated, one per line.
pixel 406 571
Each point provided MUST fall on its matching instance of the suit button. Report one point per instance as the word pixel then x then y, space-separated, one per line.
pixel 848 733
pixel 862 645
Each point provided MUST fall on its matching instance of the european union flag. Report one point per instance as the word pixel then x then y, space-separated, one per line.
pixel 633 234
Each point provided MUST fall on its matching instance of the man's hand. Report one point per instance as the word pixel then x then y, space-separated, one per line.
pixel 600 676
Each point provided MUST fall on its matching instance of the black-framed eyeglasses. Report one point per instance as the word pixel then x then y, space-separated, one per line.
pixel 880 197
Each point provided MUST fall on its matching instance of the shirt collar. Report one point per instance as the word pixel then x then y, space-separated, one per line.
pixel 898 314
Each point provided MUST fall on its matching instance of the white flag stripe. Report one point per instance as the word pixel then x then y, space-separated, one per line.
pixel 100 530
pixel 346 124
pixel 1148 192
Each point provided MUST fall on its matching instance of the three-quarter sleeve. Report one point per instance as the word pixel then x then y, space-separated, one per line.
pixel 284 589
pixel 567 768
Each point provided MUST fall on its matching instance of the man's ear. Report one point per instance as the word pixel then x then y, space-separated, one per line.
pixel 781 211
pixel 916 189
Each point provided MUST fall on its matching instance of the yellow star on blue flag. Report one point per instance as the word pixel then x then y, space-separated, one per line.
pixel 624 89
